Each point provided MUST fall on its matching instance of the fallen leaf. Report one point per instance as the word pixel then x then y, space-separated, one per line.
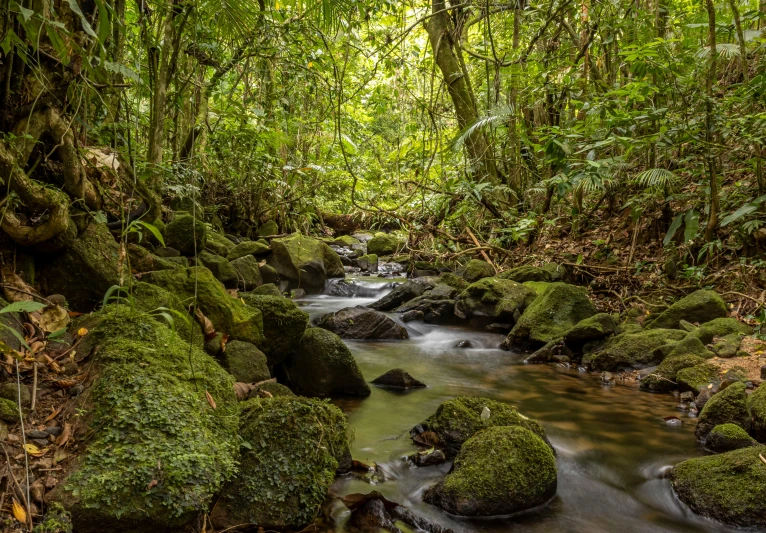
pixel 242 390
pixel 34 450
pixel 53 318
pixel 207 326
pixel 54 414
pixel 153 483
pixel 59 455
pixel 62 439
pixel 224 340
pixel 18 512
pixel 12 281
pixel 82 332
pixel 74 314
pixel 427 438
pixel 210 400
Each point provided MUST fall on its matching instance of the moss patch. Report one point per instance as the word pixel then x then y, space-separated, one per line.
pixel 247 248
pixel 245 362
pixel 727 406
pixel 632 350
pixel 756 406
pixel 663 379
pixel 186 234
pixel 697 377
pixel 526 273
pixel 699 306
pixel 720 327
pixel 384 244
pixel 283 324
pixel 477 269
pixel 305 262
pixel 727 437
pixel 493 300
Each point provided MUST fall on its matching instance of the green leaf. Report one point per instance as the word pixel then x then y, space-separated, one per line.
pixel 75 7
pixel 121 69
pixel 104 25
pixel 26 13
pixel 27 306
pixel 744 210
pixel 18 336
pixel 56 334
pixel 692 224
pixel 673 228
pixel 153 229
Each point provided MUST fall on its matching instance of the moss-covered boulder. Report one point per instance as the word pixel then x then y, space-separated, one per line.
pixel 268 229
pixel 728 487
pixel 228 315
pixel 158 451
pixel 186 234
pixel 499 471
pixel 345 240
pixel 267 289
pixel 368 262
pixel 686 346
pixel 83 272
pixel 218 244
pixel 477 269
pixel 632 350
pixel 726 407
pixel 458 419
pixel 248 273
pixel 9 410
pixel 493 300
pixel 756 406
pixel 322 366
pixel 362 323
pixel 697 377
pixel 663 379
pixel 293 449
pixel 254 248
pixel 142 260
pixel 526 273
pixel 437 305
pixel 221 268
pixel 245 362
pixel 453 280
pixel 728 437
pixel 269 274
pixel 404 293
pixel 557 309
pixel 384 244
pixel 270 387
pixel 700 306
pixel 283 324
pixel 592 328
pixel 12 391
pixel 305 262
pixel 720 327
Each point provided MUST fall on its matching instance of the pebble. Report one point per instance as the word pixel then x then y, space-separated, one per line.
pixel 37 434
pixel 682 407
pixel 53 430
pixel 687 396
pixel 41 442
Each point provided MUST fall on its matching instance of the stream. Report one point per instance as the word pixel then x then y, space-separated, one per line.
pixel 612 442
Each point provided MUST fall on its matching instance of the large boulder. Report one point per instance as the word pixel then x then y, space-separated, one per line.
pixel 222 270
pixel 592 328
pixel 493 300
pixel 756 406
pixel 86 270
pixel 293 449
pixel 728 437
pixel 632 350
pixel 698 377
pixel 457 420
pixel 218 244
pixel 227 314
pixel 477 269
pixel 720 327
pixel 322 366
pixel 700 306
pixel 499 471
pixel 157 451
pixel 245 362
pixel 726 407
pixel 254 248
pixel 663 379
pixel 361 323
pixel 404 293
pixel 305 262
pixel 248 273
pixel 557 309
pixel 283 324
pixel 268 229
pixel 142 260
pixel 728 487
pixel 384 244
pixel 186 234
pixel 437 305
pixel 526 273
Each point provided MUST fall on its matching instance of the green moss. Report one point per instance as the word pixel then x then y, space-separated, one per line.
pixel 526 273
pixel 273 388
pixel 156 301
pixel 663 379
pixel 305 262
pixel 267 289
pixel 384 244
pixel 56 520
pixel 556 271
pixel 218 244
pixel 292 450
pixel 283 324
pixel 150 420
pixel 538 286
pixel 477 269
pixel 554 312
pixel 247 248
pixel 697 377
pixel 186 234
pixel 500 470
pixel 142 260
pixel 728 487
pixel 493 300
pixel 592 328
pixel 756 406
pixel 222 270
pixel 727 406
pixel 727 437
pixel 453 280
pixel 720 327
pixel 700 306
pixel 9 410
pixel 345 240
pixel 249 273
pixel 688 345
pixel 268 228
pixel 632 350
pixel 245 362
pixel 458 419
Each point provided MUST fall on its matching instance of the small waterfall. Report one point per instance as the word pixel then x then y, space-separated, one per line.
pixel 352 288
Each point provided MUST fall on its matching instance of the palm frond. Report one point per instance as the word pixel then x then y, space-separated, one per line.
pixel 498 115
pixel 725 50
pixel 656 178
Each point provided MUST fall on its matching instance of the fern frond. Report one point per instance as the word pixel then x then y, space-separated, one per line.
pixel 498 115
pixel 656 178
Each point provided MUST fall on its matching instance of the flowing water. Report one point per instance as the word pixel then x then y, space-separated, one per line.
pixel 612 442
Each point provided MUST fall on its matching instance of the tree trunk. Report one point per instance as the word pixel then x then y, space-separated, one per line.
pixel 741 41
pixel 712 223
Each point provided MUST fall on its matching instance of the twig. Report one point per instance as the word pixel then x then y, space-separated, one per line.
pixel 759 302
pixel 34 386
pixel 16 289
pixel 18 488
pixel 483 253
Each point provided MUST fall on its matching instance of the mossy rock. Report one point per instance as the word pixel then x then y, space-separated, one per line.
pixel 221 268
pixel 631 350
pixel 345 240
pixel 186 234
pixel 283 324
pixel 727 406
pixel 245 362
pixel 267 289
pixel 700 306
pixel 526 273
pixel 437 304
pixel 720 327
pixel 555 311
pixel 727 346
pixel 269 274
pixel 477 269
pixel 9 410
pixel 368 262
pixel 728 487
pixel 56 520
pixel 268 228
pixel 322 366
pixel 227 314
pixel 186 204
pixel 11 323
pixel 663 379
pixel 181 261
pixel 248 273
pixel 756 406
pixel 491 300
pixel 148 418
pixel 273 388
pixel 254 248
pixel 150 299
pixel 687 345
pixel 453 280
pixel 142 260
pixel 384 244
pixel 293 449
pixel 557 272
pixel 697 377
pixel 10 391
pixel 728 437
pixel 458 419
pixel 405 292
pixel 305 262
pixel 499 471
pixel 592 328
pixel 218 244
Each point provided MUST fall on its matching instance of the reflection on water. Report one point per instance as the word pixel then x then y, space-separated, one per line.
pixel 611 441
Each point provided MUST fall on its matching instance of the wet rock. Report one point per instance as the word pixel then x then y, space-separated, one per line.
pixel 728 487
pixel 186 234
pixel 727 437
pixel 295 447
pixel 428 457
pixel 477 269
pixel 526 273
pixel 368 263
pixel 372 516
pixel 384 244
pixel 362 323
pixel 700 306
pixel 631 350
pixel 414 314
pixel 245 362
pixel 554 349
pixel 398 379
pixel 465 344
pixel 244 249
pixel 592 328
pixel 493 300
pixel 322 366
pixel 436 305
pixel 403 293
pixel 756 405
pixel 304 262
pixel 222 270
pixel 268 228
pixel 248 273
pixel 10 391
pixel 283 324
pixel 555 311
pixel 663 378
pixel 499 471
pixel 727 406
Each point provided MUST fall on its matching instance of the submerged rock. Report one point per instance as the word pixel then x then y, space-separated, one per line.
pixel 700 306
pixel 728 487
pixel 186 234
pixel 304 262
pixel 726 407
pixel 499 471
pixel 493 300
pixel 362 323
pixel 398 379
pixel 727 437
pixel 632 350
pixel 477 269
